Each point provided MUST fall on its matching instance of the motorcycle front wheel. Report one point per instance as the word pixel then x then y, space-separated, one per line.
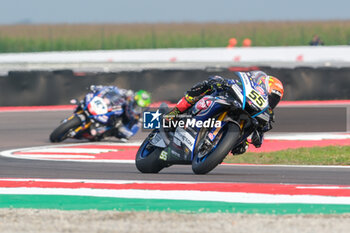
pixel 61 132
pixel 227 137
pixel 147 158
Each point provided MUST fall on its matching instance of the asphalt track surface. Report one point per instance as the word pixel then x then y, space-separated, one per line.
pixel 27 129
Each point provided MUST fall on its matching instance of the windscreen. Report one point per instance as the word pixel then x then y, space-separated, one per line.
pixel 262 80
pixel 114 98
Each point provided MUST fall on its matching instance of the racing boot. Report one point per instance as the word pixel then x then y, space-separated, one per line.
pixel 123 133
pixel 257 138
pixel 172 114
pixel 240 149
pixel 180 107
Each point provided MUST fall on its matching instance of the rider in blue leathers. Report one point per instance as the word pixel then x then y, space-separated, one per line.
pixel 117 99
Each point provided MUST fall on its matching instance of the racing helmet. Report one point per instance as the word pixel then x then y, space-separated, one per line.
pixel 275 89
pixel 142 98
pixel 112 97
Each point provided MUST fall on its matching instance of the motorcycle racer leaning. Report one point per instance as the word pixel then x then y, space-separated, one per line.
pixel 217 83
pixel 131 102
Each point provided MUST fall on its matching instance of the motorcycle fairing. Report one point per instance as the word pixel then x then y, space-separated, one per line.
pixel 176 151
pixel 253 94
pixel 180 147
pixel 176 155
pixel 158 141
pixel 185 137
pixel 99 109
pixel 97 106
pixel 212 107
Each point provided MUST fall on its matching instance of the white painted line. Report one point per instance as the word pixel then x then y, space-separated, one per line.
pixel 63 147
pixel 76 159
pixel 43 156
pixel 287 166
pixel 322 187
pixel 93 181
pixel 10 153
pixel 307 136
pixel 183 195
pixel 104 181
pixel 69 150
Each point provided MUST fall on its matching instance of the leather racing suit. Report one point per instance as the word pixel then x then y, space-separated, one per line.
pixel 207 87
pixel 127 124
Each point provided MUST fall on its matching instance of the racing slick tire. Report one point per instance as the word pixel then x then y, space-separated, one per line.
pixel 147 158
pixel 61 132
pixel 204 164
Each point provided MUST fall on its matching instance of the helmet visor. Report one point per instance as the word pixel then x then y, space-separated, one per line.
pixel 113 97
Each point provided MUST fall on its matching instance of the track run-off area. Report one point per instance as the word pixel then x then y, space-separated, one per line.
pixel 78 175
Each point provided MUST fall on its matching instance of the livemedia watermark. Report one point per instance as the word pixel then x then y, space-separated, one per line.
pixel 155 119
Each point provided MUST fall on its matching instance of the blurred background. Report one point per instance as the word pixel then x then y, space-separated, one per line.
pixel 51 52
pixel 39 25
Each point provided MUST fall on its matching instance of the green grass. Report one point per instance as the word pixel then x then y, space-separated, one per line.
pixel 35 38
pixel 331 155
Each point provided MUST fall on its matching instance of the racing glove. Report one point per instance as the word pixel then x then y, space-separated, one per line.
pixel 217 82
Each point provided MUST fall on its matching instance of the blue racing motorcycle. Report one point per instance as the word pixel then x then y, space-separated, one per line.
pixel 91 116
pixel 214 126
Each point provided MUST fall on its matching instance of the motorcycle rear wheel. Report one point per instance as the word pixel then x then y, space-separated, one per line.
pixel 61 132
pixel 230 134
pixel 147 158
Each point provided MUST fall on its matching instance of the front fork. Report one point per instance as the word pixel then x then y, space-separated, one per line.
pixel 207 141
pixel 83 126
pixel 214 131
